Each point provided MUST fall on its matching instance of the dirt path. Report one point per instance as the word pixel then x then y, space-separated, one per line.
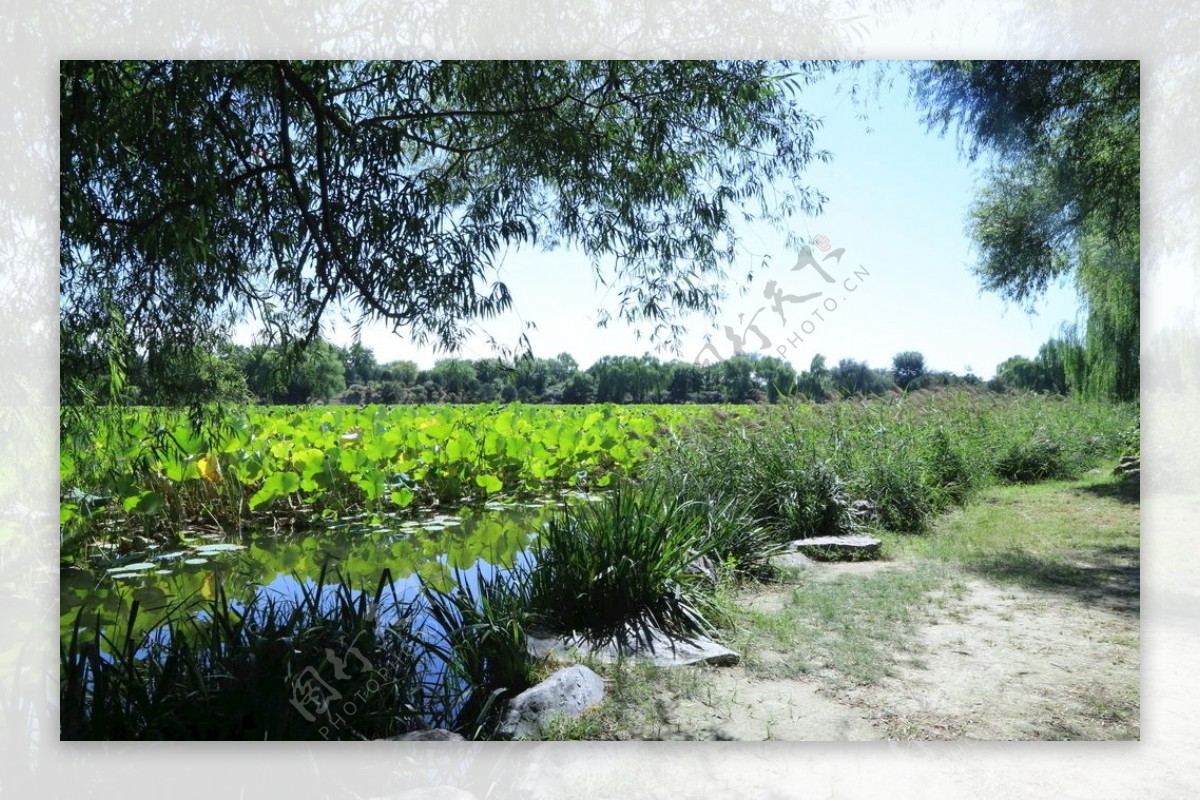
pixel 1010 664
pixel 994 663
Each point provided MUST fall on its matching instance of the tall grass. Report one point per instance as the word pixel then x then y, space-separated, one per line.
pixel 335 664
pixel 805 470
pixel 629 558
pixel 479 642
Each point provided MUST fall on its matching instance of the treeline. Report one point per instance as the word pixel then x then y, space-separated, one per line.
pixel 325 373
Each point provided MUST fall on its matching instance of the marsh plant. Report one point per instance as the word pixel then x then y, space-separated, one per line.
pixel 478 639
pixel 334 664
pixel 626 559
pixel 798 469
pixel 322 667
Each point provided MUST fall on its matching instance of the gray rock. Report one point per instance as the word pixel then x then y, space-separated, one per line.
pixel 856 546
pixel 864 510
pixel 431 735
pixel 568 693
pixel 645 643
pixel 793 559
pixel 703 566
pixel 1129 466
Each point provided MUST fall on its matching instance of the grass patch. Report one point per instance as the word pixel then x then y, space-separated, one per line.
pixel 894 463
pixel 1079 538
pixel 637 701
pixel 847 629
pixel 482 647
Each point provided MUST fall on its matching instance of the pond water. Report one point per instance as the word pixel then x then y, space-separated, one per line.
pixel 437 549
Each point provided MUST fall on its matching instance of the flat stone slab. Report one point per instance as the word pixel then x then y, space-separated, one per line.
pixel 648 644
pixel 852 546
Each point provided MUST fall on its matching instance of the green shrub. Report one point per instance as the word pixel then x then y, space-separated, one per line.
pixel 810 500
pixel 733 539
pixel 625 559
pixel 902 501
pixel 1036 458
pixel 949 470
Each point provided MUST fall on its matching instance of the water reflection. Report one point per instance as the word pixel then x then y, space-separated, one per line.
pixel 438 550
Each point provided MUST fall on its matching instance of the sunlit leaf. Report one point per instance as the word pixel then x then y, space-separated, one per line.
pixel 209 468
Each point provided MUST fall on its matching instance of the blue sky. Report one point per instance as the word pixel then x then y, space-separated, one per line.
pixel 897 203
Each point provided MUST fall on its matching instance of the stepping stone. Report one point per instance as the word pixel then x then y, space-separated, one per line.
pixel 833 549
pixel 649 644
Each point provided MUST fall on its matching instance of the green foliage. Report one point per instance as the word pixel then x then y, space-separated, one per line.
pixel 579 388
pixel 901 498
pixel 798 470
pixel 456 376
pixel 908 368
pixel 624 559
pixel 291 374
pixel 852 377
pixel 1035 459
pixel 482 645
pixel 301 462
pixel 952 473
pixel 1063 195
pixel 814 383
pixel 279 190
pixel 775 471
pixel 359 364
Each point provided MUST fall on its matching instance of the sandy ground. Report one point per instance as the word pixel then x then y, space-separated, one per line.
pixel 994 663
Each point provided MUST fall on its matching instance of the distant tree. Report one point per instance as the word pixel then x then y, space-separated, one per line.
pixel 611 375
pixel 216 374
pixel 738 378
pixel 403 372
pixel 852 377
pixel 579 388
pixel 455 376
pixel 1018 372
pixel 488 391
pixel 561 367
pixel 1056 358
pixel 286 374
pixel 492 370
pixel 908 367
pixel 360 364
pixel 530 379
pixel 391 392
pixel 686 380
pixel 778 378
pixel 815 382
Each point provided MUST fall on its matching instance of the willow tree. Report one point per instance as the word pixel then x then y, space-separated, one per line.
pixel 199 194
pixel 1061 198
